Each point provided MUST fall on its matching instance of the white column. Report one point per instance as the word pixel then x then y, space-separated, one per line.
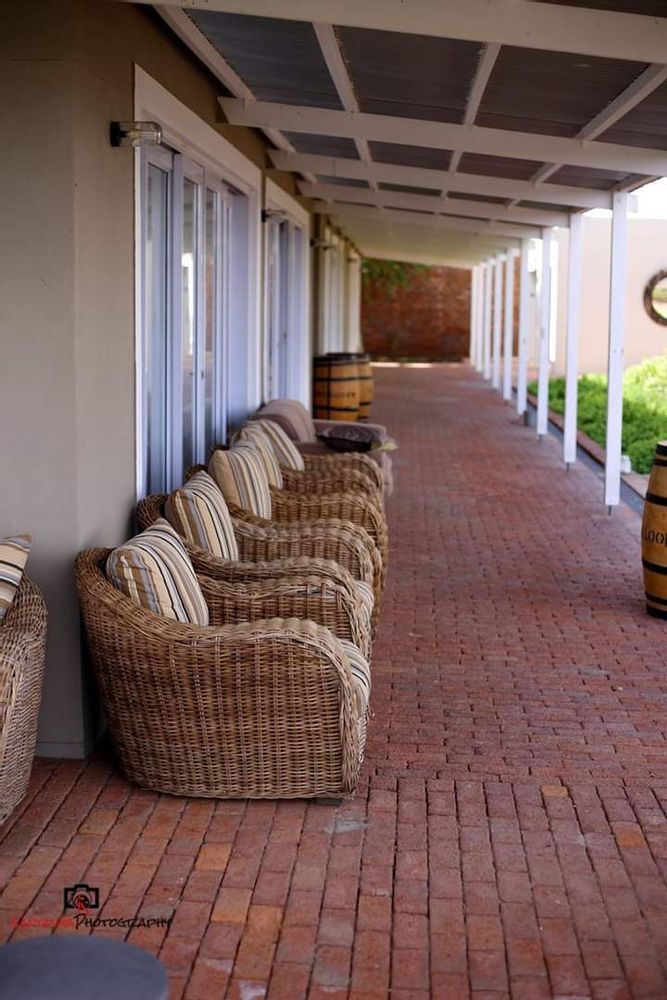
pixel 508 332
pixel 572 335
pixel 497 320
pixel 352 332
pixel 524 326
pixel 473 352
pixel 617 300
pixel 545 329
pixel 488 295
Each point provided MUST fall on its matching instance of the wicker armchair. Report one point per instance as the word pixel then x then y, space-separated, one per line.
pixel 294 508
pixel 334 601
pixel 298 424
pixel 266 709
pixel 22 651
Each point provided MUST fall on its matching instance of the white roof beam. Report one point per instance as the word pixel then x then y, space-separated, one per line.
pixel 189 33
pixel 480 228
pixel 648 81
pixel 465 208
pixel 326 36
pixel 442 135
pixel 391 173
pixel 506 22
pixel 485 68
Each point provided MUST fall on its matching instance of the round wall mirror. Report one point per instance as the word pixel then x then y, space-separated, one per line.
pixel 655 298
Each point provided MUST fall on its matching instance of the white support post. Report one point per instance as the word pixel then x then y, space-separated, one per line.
pixel 481 271
pixel 497 320
pixel 488 296
pixel 545 329
pixel 524 305
pixel 508 332
pixel 617 301
pixel 572 344
pixel 472 351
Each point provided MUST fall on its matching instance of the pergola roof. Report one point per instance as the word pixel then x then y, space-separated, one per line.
pixel 444 131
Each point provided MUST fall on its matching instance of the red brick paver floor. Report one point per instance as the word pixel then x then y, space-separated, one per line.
pixel 509 836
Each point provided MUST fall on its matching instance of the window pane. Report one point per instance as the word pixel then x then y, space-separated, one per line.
pixel 211 292
pixel 155 343
pixel 188 317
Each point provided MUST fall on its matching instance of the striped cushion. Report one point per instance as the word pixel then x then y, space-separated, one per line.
pixel 13 557
pixel 361 674
pixel 253 435
pixel 199 513
pixel 154 570
pixel 284 449
pixel 240 474
pixel 365 592
pixel 292 416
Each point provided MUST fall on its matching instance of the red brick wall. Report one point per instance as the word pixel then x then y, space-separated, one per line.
pixel 427 319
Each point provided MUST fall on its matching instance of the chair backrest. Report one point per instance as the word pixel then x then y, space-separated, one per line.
pixel 292 416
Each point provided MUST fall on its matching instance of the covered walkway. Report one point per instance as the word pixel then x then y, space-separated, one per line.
pixel 509 838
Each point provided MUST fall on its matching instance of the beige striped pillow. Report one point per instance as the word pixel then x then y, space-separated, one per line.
pixel 199 513
pixel 13 557
pixel 240 474
pixel 253 435
pixel 154 570
pixel 285 450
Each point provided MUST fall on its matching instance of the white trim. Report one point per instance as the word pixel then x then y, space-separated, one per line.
pixel 544 342
pixel 508 330
pixel 508 22
pixel 338 166
pixel 275 197
pixel 448 207
pixel 445 135
pixel 524 303
pixel 488 295
pixel 618 281
pixel 497 320
pixel 572 339
pixel 480 228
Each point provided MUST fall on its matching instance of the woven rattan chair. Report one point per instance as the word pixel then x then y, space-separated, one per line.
pixel 22 650
pixel 266 709
pixel 355 508
pixel 298 424
pixel 335 604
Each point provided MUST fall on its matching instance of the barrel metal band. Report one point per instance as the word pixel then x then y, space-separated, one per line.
pixel 655 598
pixel 654 498
pixel 654 568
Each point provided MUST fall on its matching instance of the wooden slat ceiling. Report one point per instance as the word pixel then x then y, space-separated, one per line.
pixel 427 78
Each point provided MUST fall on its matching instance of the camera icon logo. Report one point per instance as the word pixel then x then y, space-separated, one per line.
pixel 81 897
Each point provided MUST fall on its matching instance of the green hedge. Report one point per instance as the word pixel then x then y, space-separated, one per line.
pixel 644 408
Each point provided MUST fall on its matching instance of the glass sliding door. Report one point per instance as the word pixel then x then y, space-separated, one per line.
pixel 183 253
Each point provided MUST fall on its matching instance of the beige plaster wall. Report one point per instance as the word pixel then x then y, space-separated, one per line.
pixel 67 376
pixel 647 254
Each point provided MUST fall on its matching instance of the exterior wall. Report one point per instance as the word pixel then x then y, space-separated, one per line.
pixel 647 254
pixel 429 318
pixel 67 377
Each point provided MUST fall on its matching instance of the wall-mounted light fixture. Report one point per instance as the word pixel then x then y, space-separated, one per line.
pixel 274 214
pixel 135 134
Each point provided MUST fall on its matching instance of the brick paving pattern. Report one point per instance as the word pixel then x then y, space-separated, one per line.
pixel 508 838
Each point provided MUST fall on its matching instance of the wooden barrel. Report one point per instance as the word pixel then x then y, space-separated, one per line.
pixel 654 536
pixel 336 387
pixel 365 385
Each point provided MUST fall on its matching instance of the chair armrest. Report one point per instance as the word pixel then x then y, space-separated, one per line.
pixel 290 507
pixel 331 479
pixel 329 604
pixel 337 541
pixel 325 462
